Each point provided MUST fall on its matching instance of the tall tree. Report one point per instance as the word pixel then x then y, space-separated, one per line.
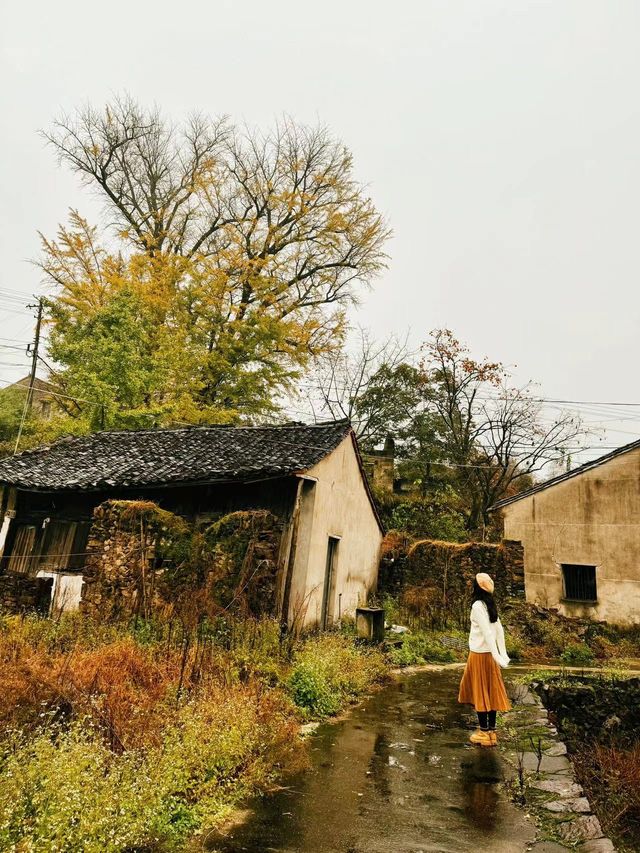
pixel 246 246
pixel 372 384
pixel 495 436
pixel 465 436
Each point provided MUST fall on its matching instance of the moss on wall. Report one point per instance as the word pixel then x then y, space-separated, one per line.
pixel 146 561
pixel 434 579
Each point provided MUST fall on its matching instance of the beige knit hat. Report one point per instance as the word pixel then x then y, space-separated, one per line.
pixel 484 582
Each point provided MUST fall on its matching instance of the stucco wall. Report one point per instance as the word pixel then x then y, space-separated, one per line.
pixel 338 506
pixel 590 519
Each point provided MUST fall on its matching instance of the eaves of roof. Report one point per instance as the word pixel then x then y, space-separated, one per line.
pixel 576 472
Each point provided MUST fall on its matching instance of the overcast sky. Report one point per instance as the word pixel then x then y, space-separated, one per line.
pixel 501 140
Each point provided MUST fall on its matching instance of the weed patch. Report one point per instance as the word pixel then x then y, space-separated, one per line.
pixel 420 648
pixel 610 776
pixel 329 672
pixel 136 736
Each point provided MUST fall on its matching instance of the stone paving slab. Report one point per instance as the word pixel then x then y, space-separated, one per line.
pixel 597 845
pixel 549 763
pixel 552 773
pixel 580 805
pixel 556 749
pixel 561 787
pixel 584 828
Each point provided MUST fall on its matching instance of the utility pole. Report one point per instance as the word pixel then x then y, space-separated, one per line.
pixel 32 376
pixel 34 355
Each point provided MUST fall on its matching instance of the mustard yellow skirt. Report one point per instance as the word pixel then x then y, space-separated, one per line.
pixel 482 685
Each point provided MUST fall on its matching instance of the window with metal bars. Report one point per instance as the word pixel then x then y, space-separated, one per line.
pixel 579 582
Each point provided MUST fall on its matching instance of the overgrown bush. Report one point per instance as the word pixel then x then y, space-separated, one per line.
pixel 133 736
pixel 611 779
pixel 419 648
pixel 312 689
pixel 65 790
pixel 515 647
pixel 428 519
pixel 545 634
pixel 577 654
pixel 439 514
pixel 329 672
pixel 145 561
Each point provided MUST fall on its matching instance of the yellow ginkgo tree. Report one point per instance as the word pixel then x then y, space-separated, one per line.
pixel 227 260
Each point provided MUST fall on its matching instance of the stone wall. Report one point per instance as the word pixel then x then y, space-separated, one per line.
pixel 21 593
pixel 593 708
pixel 434 579
pixel 144 561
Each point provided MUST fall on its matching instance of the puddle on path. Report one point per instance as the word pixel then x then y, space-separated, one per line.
pixel 396 776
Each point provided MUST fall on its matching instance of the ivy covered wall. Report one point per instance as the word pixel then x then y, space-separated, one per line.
pixel 434 579
pixel 146 561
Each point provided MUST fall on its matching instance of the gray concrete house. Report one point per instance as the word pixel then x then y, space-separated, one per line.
pixel 311 477
pixel 581 538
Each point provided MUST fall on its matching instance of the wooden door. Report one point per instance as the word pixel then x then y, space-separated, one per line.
pixel 22 556
pixel 329 592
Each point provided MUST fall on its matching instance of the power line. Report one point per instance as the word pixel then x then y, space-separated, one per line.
pixel 523 397
pixel 13 290
pixel 12 310
pixel 55 393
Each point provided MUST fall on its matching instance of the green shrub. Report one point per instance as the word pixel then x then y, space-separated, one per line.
pixel 427 518
pixel 577 654
pixel 329 671
pixel 556 638
pixel 418 648
pixel 312 690
pixel 70 793
pixel 160 731
pixel 65 790
pixel 63 634
pixel 515 646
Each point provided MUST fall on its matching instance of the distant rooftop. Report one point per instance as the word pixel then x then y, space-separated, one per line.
pixel 575 472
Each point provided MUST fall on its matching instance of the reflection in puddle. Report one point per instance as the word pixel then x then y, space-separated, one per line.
pixel 396 776
pixel 480 773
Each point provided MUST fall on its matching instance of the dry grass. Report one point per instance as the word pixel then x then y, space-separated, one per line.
pixel 129 689
pixel 64 789
pixel 611 778
pixel 117 737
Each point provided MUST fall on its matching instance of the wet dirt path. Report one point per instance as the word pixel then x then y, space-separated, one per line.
pixel 396 776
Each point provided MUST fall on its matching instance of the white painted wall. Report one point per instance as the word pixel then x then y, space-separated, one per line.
pixel 338 505
pixel 66 591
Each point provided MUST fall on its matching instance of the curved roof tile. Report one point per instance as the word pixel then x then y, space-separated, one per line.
pixel 171 456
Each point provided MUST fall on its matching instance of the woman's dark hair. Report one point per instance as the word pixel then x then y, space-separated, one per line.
pixel 480 594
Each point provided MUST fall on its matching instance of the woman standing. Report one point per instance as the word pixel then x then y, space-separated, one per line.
pixel 482 685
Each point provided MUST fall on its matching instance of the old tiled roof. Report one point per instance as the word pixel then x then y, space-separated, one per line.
pixel 170 456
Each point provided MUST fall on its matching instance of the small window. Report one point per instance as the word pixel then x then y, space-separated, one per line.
pixel 579 583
